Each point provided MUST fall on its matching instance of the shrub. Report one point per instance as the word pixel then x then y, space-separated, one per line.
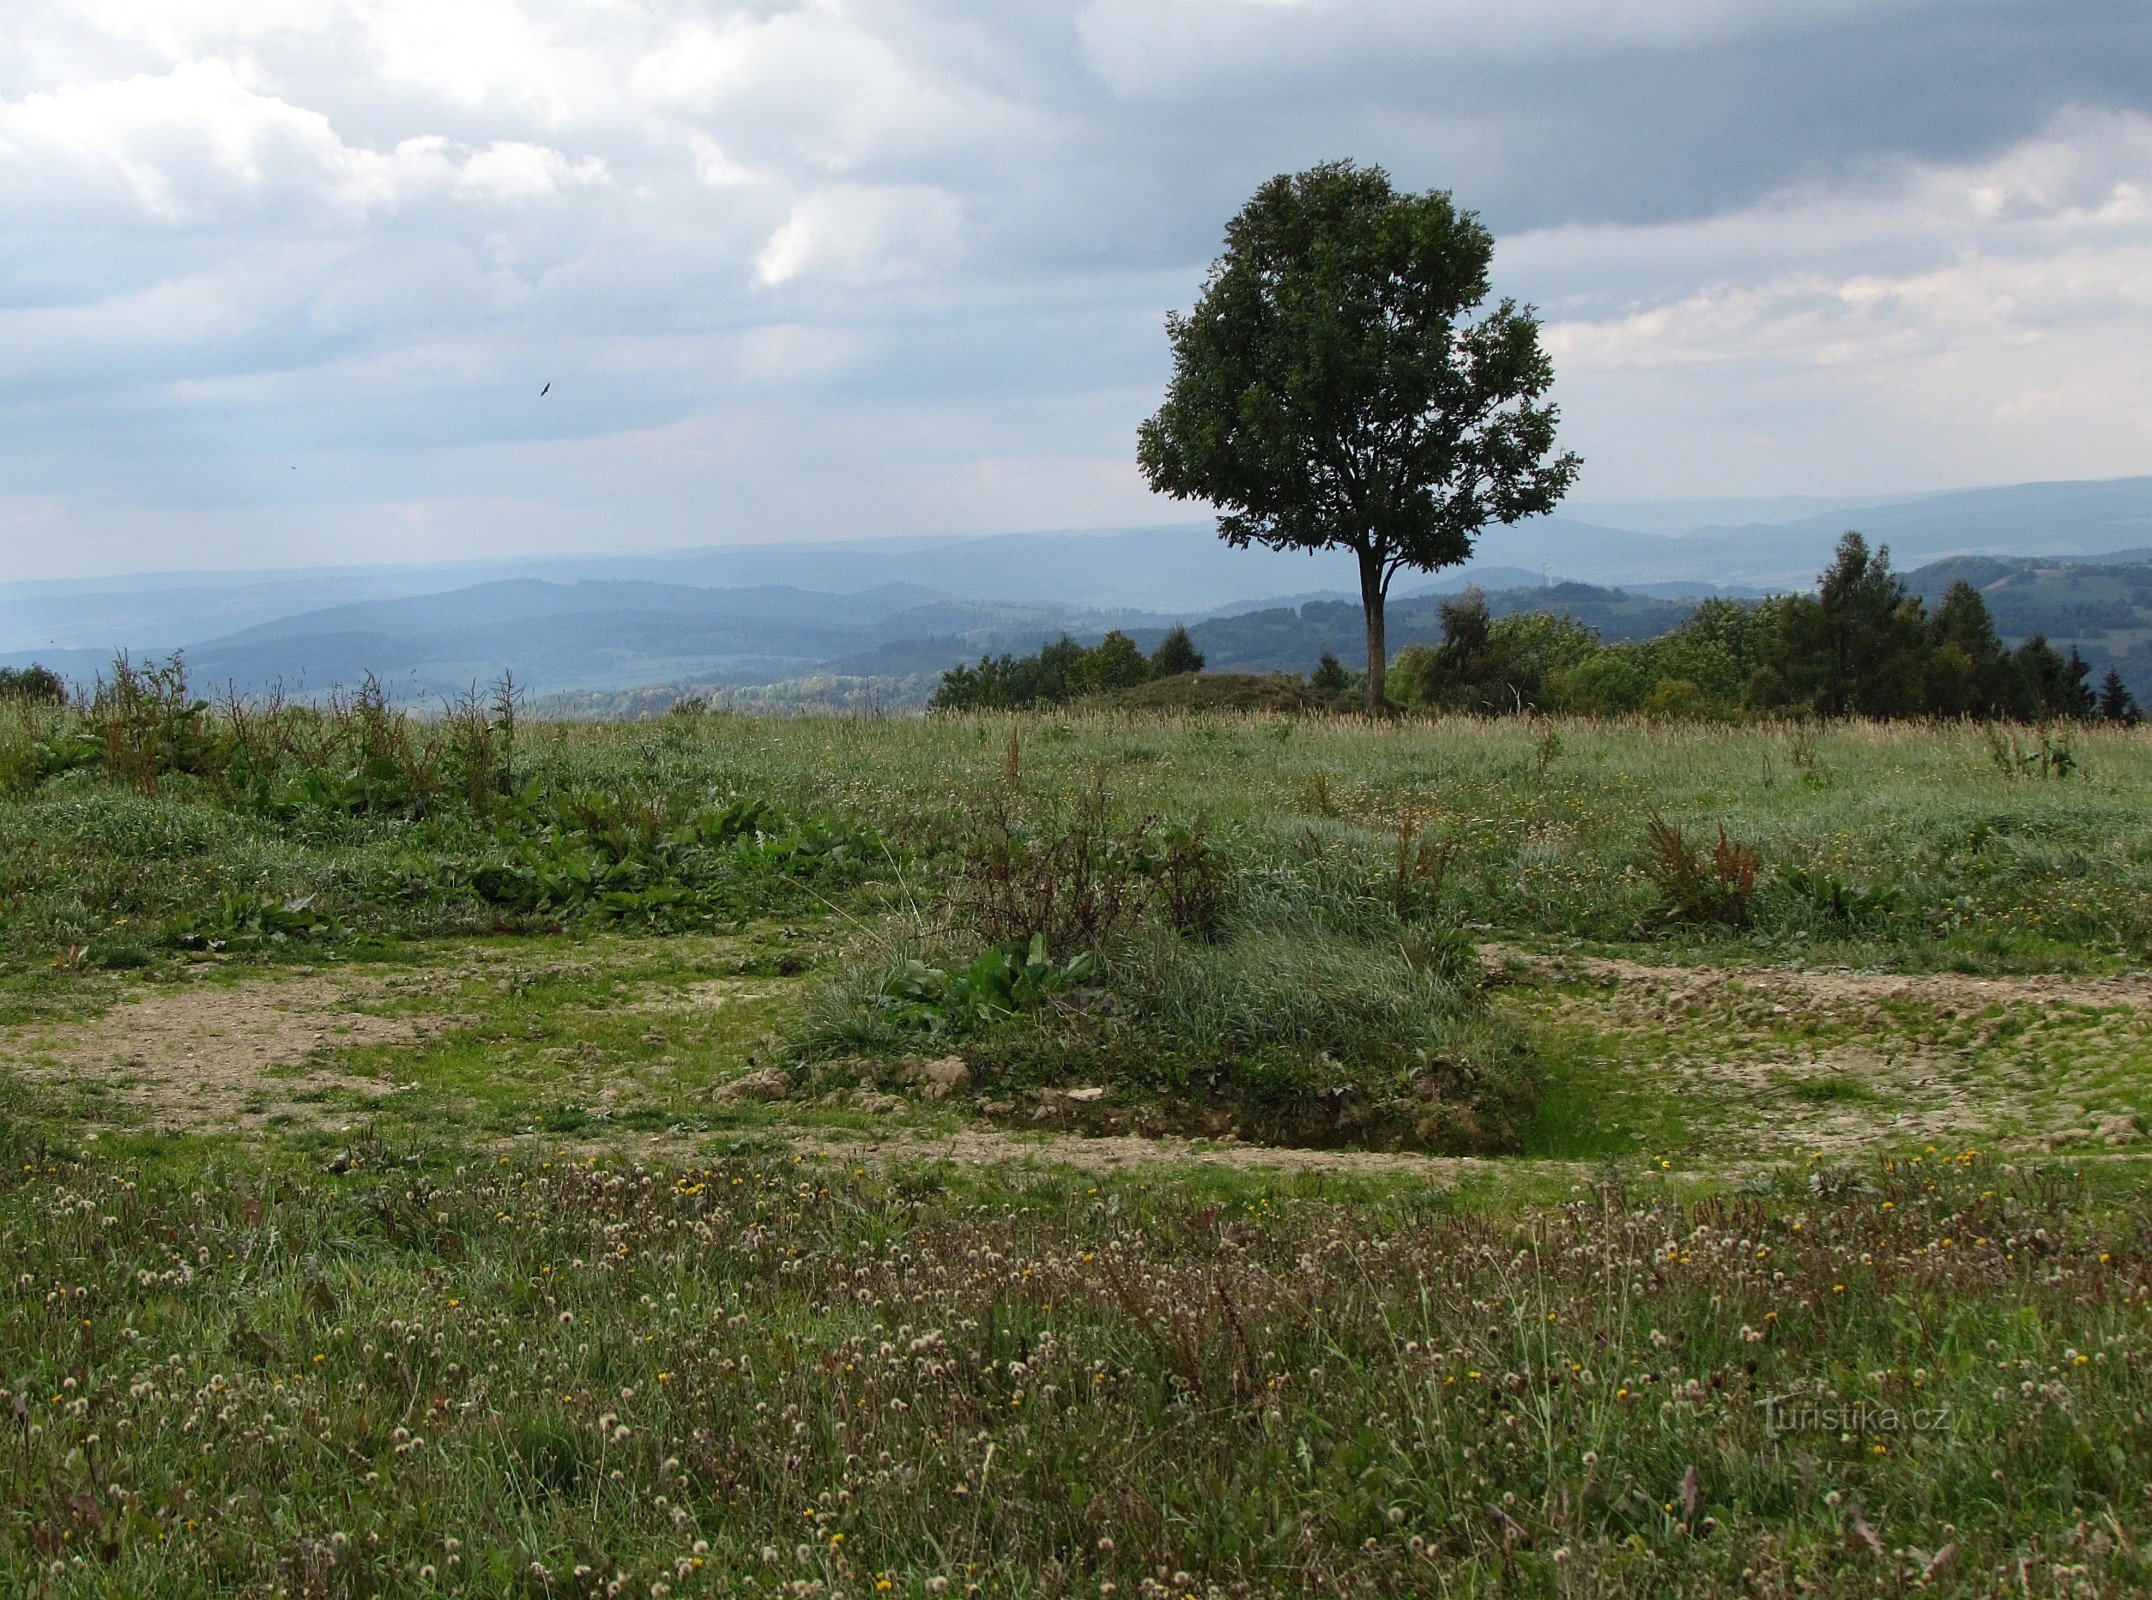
pixel 1318 1001
pixel 1190 879
pixel 149 723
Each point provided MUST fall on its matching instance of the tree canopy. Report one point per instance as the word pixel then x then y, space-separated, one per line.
pixel 1330 387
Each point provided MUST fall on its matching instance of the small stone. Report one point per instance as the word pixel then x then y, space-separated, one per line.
pixel 766 1083
pixel 1087 1095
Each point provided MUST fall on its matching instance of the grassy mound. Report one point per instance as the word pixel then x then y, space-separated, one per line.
pixel 1311 1004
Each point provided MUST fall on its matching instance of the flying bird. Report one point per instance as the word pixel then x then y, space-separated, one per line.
pixel 548 389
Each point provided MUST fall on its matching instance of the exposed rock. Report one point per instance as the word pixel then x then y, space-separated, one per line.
pixel 937 1079
pixel 765 1083
pixel 1086 1094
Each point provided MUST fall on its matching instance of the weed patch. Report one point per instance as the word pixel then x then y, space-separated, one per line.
pixel 1701 885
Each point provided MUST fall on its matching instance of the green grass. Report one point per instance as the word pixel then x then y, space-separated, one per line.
pixel 1833 1091
pixel 1993 872
pixel 734 1377
pixel 334 1342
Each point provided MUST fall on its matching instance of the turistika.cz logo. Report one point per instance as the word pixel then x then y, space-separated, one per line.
pixel 1792 1414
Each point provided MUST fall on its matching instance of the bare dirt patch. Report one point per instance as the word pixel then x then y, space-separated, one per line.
pixel 204 1053
pixel 201 1055
pixel 702 995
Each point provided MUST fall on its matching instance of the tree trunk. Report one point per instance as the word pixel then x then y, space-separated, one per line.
pixel 1372 597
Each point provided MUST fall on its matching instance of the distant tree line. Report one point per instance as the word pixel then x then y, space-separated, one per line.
pixel 1861 645
pixel 1063 671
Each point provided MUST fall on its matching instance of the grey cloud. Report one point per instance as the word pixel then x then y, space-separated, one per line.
pixel 895 259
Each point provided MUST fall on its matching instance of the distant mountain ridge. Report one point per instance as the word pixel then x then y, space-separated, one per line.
pixel 758 613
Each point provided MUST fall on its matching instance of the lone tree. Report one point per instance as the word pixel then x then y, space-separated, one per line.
pixel 1176 654
pixel 2117 704
pixel 1329 388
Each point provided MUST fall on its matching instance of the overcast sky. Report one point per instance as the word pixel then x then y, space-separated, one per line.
pixel 280 280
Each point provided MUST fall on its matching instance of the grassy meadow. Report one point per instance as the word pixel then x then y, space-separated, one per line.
pixel 1107 1153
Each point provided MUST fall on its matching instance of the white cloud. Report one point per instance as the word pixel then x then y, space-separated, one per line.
pixel 714 168
pixel 817 86
pixel 863 235
pixel 512 169
pixel 198 146
pixel 176 147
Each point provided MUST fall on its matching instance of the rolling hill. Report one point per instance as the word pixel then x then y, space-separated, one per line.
pixel 901 607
